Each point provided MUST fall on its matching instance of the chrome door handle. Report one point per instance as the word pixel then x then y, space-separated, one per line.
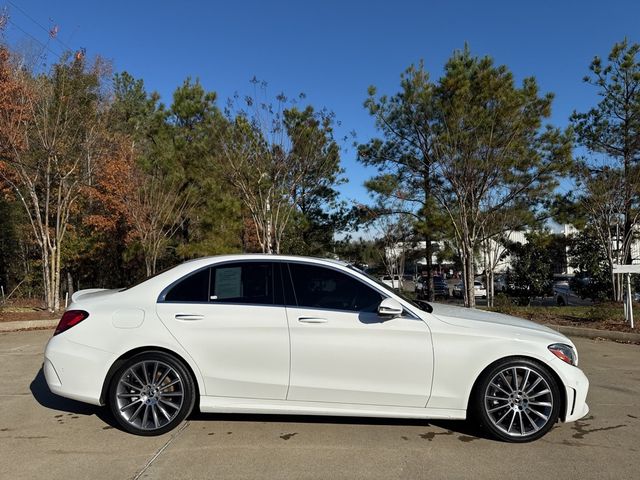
pixel 188 316
pixel 312 320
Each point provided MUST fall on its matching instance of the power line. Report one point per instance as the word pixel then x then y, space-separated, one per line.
pixel 57 55
pixel 48 31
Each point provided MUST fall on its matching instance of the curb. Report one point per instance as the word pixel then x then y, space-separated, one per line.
pixel 595 333
pixel 27 325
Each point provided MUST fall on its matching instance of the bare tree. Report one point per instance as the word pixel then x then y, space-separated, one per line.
pixel 156 210
pixel 394 236
pixel 48 150
pixel 270 161
pixel 608 213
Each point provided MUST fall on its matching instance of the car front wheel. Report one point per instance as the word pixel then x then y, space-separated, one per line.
pixel 151 394
pixel 518 400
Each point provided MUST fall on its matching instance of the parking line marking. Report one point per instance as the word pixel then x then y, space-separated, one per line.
pixel 159 452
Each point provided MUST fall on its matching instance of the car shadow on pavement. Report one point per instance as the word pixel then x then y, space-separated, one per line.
pixel 50 400
pixel 462 428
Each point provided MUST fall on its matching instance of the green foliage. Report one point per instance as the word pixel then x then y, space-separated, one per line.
pixel 406 153
pixel 282 163
pixel 589 257
pixel 473 141
pixel 214 226
pixel 406 156
pixel 531 272
pixel 501 301
pixel 609 189
pixel 320 214
pixel 363 254
pixel 14 251
pixel 492 140
pixel 613 126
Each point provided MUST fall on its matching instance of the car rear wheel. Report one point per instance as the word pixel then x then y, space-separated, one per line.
pixel 517 400
pixel 151 394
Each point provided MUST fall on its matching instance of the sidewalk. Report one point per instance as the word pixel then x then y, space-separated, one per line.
pixel 27 325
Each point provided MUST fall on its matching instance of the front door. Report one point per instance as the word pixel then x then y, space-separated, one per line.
pixel 343 352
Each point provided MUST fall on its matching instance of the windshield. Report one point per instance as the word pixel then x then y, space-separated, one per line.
pixel 419 304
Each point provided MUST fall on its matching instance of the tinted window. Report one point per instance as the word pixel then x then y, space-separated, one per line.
pixel 193 288
pixel 319 287
pixel 245 282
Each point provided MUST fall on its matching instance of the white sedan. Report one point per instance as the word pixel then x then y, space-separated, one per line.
pixel 479 290
pixel 294 335
pixel 391 281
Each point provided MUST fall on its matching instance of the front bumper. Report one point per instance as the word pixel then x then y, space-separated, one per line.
pixel 576 388
pixel 75 371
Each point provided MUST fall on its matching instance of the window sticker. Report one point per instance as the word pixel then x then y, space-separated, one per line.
pixel 228 283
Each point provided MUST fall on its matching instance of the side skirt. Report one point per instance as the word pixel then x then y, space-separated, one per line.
pixel 287 407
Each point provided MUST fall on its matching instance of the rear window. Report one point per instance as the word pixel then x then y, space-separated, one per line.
pixel 194 288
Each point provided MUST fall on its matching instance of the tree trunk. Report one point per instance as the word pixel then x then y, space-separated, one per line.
pixel 490 287
pixel 469 274
pixel 487 275
pixel 429 253
pixel 148 264
pixel 56 279
pixel 48 299
pixel 428 247
pixel 69 284
pixel 51 276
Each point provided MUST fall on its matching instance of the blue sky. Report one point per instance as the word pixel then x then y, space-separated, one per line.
pixel 333 50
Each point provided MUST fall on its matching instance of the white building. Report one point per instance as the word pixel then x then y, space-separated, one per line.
pixel 494 253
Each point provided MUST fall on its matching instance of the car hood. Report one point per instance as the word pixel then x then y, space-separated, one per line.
pixel 472 317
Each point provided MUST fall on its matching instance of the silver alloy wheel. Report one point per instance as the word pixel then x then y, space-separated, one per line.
pixel 149 394
pixel 518 401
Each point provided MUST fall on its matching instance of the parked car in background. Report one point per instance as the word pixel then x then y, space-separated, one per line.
pixel 440 287
pixel 479 290
pixel 563 294
pixel 295 335
pixel 391 281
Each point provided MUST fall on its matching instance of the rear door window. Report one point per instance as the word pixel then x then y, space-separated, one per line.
pixel 242 282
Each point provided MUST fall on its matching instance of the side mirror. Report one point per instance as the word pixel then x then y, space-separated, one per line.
pixel 390 308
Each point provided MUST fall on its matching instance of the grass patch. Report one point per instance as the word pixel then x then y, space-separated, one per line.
pixel 608 316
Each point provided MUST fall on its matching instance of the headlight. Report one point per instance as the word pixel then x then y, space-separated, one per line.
pixel 564 352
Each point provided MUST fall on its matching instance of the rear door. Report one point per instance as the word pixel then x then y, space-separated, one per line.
pixel 232 321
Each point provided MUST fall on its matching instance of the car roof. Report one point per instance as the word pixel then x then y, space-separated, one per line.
pixel 174 273
pixel 266 256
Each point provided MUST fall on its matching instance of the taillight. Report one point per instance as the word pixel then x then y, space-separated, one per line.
pixel 70 319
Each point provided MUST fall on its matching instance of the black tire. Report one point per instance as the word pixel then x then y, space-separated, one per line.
pixel 520 422
pixel 158 387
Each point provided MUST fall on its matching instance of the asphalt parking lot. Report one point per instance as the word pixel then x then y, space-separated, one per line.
pixel 44 436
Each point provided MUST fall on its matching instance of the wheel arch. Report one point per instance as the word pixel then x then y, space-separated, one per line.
pixel 548 368
pixel 150 348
